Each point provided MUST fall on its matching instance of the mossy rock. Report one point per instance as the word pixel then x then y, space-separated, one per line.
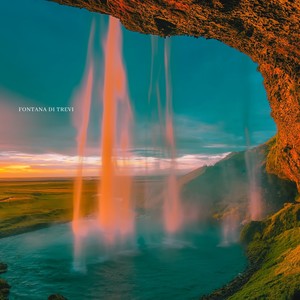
pixel 4 295
pixel 252 231
pixel 273 245
pixel 273 249
pixel 285 219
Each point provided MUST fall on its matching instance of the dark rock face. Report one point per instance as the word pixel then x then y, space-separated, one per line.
pixel 267 31
pixel 4 289
pixel 56 297
pixel 3 268
pixel 4 286
pixel 296 295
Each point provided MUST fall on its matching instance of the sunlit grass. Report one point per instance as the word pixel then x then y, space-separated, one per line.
pixel 28 205
pixel 34 204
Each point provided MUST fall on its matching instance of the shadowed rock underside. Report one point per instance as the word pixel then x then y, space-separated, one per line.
pixel 267 31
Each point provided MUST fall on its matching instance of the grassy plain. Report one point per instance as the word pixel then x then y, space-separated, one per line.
pixel 29 205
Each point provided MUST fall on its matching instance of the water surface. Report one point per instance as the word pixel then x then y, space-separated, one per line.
pixel 153 267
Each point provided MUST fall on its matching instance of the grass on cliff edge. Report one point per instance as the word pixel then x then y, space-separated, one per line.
pixel 274 244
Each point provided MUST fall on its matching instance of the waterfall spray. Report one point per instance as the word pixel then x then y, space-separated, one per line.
pixel 172 207
pixel 254 192
pixel 115 210
pixel 115 215
pixel 83 104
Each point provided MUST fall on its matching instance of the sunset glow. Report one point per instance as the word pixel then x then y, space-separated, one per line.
pixel 17 164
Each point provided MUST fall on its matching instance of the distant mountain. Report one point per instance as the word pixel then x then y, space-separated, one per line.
pixel 227 184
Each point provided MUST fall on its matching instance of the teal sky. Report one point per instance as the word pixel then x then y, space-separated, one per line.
pixel 217 91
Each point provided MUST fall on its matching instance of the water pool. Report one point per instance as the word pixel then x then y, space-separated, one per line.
pixel 157 267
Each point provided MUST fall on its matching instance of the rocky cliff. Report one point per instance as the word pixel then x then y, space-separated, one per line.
pixel 267 31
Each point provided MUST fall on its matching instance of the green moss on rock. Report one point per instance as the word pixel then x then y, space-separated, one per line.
pixel 274 245
pixel 273 249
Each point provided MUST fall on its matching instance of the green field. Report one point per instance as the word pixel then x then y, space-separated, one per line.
pixel 26 205
pixel 29 205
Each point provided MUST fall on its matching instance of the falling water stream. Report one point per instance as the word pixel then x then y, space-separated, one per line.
pixel 254 191
pixel 116 212
pixel 83 104
pixel 116 216
pixel 172 207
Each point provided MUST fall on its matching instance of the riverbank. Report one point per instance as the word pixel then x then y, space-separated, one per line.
pixel 32 205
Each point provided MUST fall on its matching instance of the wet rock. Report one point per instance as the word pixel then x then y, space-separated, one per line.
pixel 3 268
pixel 296 295
pixel 4 284
pixel 56 297
pixel 4 289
